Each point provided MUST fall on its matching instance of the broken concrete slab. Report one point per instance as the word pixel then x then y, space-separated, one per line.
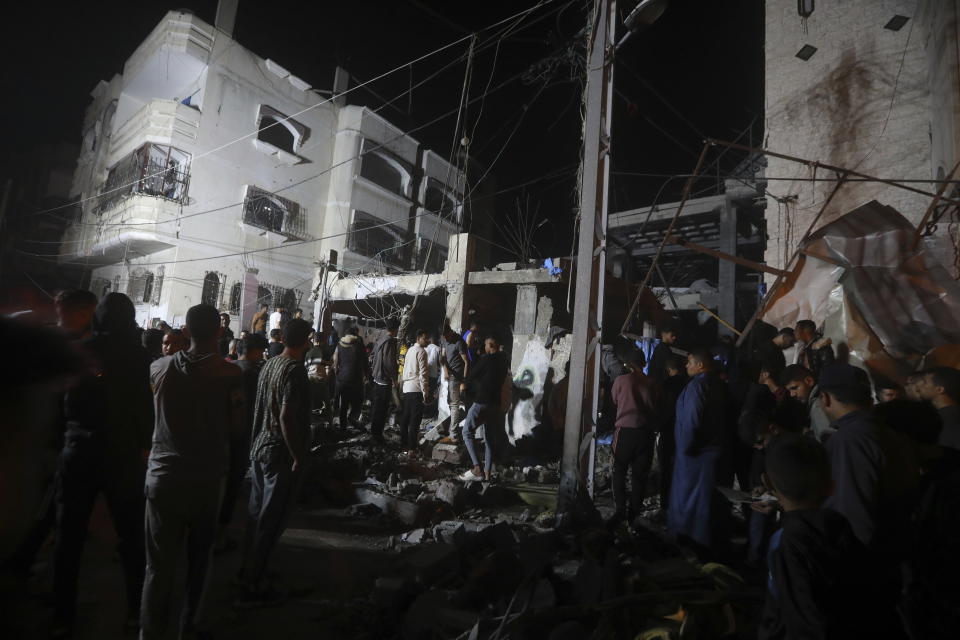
pixel 449 453
pixel 450 492
pixel 431 435
pixel 430 563
pixel 406 511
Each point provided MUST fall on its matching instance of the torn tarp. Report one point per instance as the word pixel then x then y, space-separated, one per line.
pixel 885 303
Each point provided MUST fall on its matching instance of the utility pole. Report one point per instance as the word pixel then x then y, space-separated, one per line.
pixel 582 392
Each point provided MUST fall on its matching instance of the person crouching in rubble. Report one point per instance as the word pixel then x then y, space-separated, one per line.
pixel 484 383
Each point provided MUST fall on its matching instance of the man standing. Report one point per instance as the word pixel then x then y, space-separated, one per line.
pixel 485 384
pixel 800 384
pixel 874 472
pixel 276 320
pixel 75 309
pixel 318 373
pixel 456 364
pixel 174 341
pixel 259 322
pixel 639 412
pixel 662 353
pixel 384 376
pixel 225 336
pixel 109 418
pixel 940 386
pixel 351 367
pixel 275 346
pixel 695 512
pixel 433 366
pixel 250 361
pixel 814 352
pixel 199 405
pixel 416 387
pixel 281 432
pixel 771 351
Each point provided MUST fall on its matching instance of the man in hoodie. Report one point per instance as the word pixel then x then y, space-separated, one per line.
pixel 351 367
pixel 815 352
pixel 416 389
pixel 199 404
pixel 384 378
pixel 281 438
pixel 108 423
pixel 485 385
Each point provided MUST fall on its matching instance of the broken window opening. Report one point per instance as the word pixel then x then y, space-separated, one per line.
pixel 441 201
pixel 384 169
pixel 264 296
pixel 278 130
pixel 431 260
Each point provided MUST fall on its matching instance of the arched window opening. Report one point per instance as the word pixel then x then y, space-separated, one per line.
pixel 235 293
pixel 211 289
pixel 264 296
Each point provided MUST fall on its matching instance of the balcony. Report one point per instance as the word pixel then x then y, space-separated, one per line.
pixel 153 170
pixel 272 213
pixel 129 229
pixel 158 121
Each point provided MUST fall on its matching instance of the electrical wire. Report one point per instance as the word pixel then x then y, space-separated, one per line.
pixel 301 112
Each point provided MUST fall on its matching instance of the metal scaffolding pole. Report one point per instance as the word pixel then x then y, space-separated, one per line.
pixel 582 393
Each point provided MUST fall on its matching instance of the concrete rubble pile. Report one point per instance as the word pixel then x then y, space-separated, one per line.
pixel 506 579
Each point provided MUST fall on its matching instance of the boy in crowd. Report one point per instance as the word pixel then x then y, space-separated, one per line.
pixel 275 347
pixel 485 384
pixel 802 386
pixel 940 386
pixel 819 582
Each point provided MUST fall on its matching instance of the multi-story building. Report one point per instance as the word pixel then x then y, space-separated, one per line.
pixel 209 174
pixel 868 85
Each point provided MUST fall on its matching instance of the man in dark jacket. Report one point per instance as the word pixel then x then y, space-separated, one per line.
pixel 109 420
pixel 815 352
pixel 351 367
pixel 226 337
pixel 485 384
pixel 639 402
pixel 662 353
pixel 199 404
pixel 384 373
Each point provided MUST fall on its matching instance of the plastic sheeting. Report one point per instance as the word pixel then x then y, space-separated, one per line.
pixel 881 303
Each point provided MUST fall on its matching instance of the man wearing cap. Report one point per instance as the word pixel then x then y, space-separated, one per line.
pixel 873 471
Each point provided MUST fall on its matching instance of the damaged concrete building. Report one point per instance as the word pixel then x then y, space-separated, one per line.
pixel 210 174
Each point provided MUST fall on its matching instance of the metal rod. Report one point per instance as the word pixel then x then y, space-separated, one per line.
pixel 933 205
pixel 789 265
pixel 666 286
pixel 663 241
pixel 719 319
pixel 840 170
pixel 757 266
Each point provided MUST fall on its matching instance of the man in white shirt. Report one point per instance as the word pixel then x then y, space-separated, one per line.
pixel 433 366
pixel 416 388
pixel 276 320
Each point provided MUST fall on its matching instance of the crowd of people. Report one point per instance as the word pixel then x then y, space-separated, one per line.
pixel 165 424
pixel 849 488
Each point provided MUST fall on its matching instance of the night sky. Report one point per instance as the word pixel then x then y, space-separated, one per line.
pixel 705 58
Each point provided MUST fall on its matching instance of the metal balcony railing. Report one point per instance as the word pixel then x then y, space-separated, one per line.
pixel 271 212
pixel 152 170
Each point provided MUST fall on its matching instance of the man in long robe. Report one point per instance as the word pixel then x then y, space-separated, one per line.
pixel 696 509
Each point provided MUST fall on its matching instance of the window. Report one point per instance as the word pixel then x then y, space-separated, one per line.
pixel 100 286
pixel 153 170
pixel 435 261
pixel 437 199
pixel 384 169
pixel 264 296
pixel 271 212
pixel 278 130
pixel 140 286
pixel 157 286
pixel 370 237
pixel 211 289
pixel 235 293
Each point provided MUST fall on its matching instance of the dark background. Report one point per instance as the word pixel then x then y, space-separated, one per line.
pixel 697 72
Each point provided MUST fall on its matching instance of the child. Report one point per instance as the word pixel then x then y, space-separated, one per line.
pixel 820 578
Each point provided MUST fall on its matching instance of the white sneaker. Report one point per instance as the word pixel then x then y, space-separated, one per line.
pixel 470 475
